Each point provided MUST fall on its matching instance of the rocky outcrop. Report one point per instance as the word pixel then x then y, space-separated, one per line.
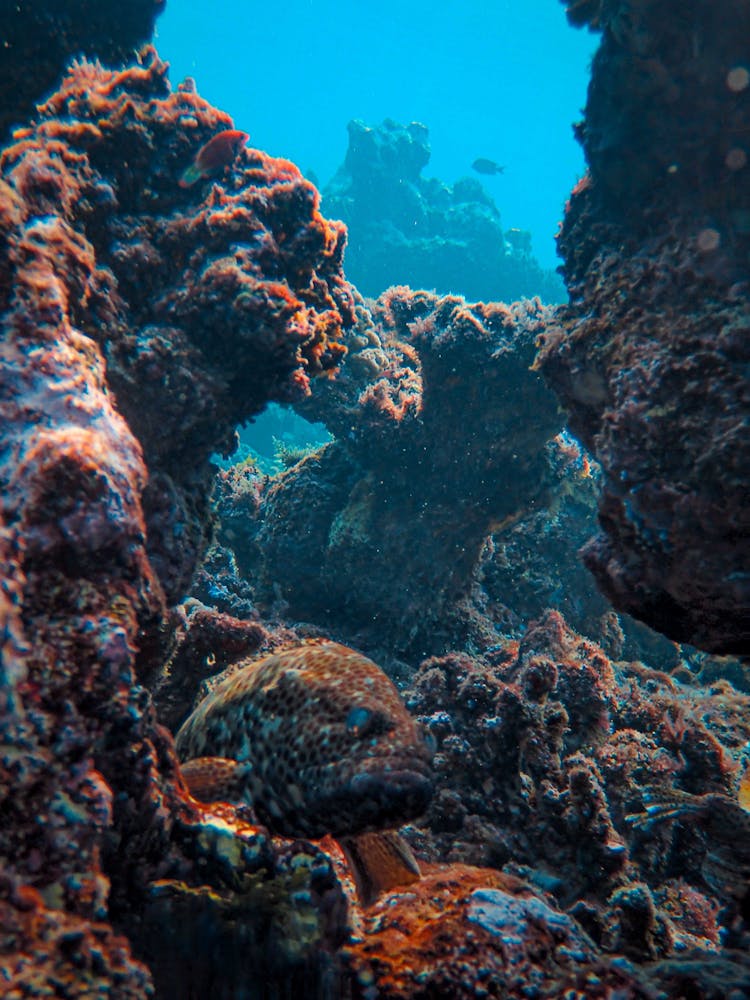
pixel 650 357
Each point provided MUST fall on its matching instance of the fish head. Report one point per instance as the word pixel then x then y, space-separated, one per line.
pixel 343 755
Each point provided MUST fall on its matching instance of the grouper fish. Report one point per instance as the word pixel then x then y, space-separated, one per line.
pixel 316 739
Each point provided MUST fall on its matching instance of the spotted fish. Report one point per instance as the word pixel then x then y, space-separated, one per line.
pixel 317 740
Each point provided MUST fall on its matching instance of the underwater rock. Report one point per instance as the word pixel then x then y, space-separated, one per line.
pixel 405 229
pixel 471 932
pixel 207 302
pixel 140 322
pixel 38 39
pixel 548 756
pixel 46 952
pixel 205 642
pixel 534 564
pixel 651 355
pixel 268 929
pixel 441 430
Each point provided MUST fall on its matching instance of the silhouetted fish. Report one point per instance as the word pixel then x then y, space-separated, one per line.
pixel 317 740
pixel 484 166
pixel 219 151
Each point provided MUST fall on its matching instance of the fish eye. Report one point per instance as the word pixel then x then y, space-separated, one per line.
pixel 359 720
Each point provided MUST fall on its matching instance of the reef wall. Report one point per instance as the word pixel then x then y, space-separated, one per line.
pixel 141 320
pixel 650 357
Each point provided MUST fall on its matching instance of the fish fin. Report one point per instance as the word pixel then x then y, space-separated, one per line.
pixel 378 862
pixel 190 176
pixel 212 779
pixel 743 792
pixel 666 805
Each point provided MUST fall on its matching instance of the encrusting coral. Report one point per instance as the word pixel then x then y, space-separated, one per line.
pixel 39 38
pixel 441 433
pixel 650 357
pixel 141 321
pixel 554 762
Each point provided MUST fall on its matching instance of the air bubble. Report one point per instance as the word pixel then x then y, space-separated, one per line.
pixel 708 240
pixel 738 79
pixel 736 158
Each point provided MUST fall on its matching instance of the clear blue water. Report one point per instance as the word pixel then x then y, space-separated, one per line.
pixel 503 80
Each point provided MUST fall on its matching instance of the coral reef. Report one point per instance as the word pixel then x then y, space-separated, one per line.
pixel 548 759
pixel 38 39
pixel 431 386
pixel 405 229
pixel 141 321
pixel 471 932
pixel 207 303
pixel 534 564
pixel 651 355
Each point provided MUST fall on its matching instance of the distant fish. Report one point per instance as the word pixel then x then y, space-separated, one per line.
pixel 318 741
pixel 484 166
pixel 217 153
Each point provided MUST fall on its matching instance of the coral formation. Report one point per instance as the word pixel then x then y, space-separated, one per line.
pixel 471 932
pixel 534 564
pixel 440 434
pixel 38 39
pixel 207 302
pixel 651 355
pixel 405 229
pixel 140 323
pixel 143 320
pixel 548 753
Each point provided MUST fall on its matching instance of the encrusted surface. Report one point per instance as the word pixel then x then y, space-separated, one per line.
pixel 441 432
pixel 651 355
pixel 38 39
pixel 141 322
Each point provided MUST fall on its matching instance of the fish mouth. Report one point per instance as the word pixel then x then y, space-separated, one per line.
pixel 398 782
pixel 386 797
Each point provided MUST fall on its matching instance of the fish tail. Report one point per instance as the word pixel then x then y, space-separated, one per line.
pixel 212 779
pixel 190 176
pixel 378 862
pixel 666 805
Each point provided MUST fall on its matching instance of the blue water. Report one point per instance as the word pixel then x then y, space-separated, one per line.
pixel 502 79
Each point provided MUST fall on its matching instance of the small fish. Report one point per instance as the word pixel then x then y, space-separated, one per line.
pixel 214 155
pixel 484 166
pixel 317 740
pixel 726 821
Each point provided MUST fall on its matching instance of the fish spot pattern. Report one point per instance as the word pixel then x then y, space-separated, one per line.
pixel 331 746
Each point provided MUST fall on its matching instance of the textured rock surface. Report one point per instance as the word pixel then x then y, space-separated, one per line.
pixel 440 431
pixel 140 322
pixel 38 39
pixel 206 302
pixel 651 355
pixel 405 229
pixel 546 753
pixel 471 932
